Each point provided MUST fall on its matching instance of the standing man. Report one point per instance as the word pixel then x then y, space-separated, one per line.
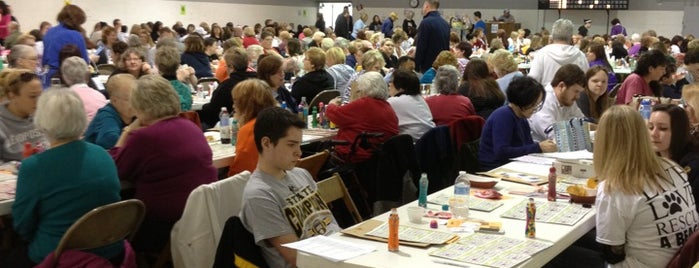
pixel 560 52
pixel 582 31
pixel 343 24
pixel 479 22
pixel 432 36
pixel 387 26
pixel 506 16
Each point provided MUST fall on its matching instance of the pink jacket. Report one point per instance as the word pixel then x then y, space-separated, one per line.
pixel 80 259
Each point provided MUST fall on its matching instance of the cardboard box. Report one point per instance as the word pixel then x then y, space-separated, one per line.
pixel 579 169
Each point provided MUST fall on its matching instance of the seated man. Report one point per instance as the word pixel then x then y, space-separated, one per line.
pixel 281 203
pixel 105 128
pixel 560 104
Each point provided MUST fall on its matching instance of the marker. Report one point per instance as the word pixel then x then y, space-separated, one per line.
pixel 451 263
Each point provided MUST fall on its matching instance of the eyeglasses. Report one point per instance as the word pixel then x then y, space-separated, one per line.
pixel 24 77
pixel 536 108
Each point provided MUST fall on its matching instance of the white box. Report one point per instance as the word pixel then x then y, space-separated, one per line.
pixel 581 169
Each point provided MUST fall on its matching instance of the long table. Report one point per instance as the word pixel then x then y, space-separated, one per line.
pixel 223 154
pixel 561 236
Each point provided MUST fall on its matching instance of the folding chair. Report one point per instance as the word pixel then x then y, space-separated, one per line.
pixel 103 226
pixel 332 189
pixel 313 163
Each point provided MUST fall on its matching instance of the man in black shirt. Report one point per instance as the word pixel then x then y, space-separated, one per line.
pixel 583 28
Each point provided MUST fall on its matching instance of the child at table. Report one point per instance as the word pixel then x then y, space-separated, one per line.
pixel 276 189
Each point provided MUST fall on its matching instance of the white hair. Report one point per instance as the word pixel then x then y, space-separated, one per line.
pixel 60 114
pixel 446 80
pixel 371 84
pixel 562 30
pixel 74 70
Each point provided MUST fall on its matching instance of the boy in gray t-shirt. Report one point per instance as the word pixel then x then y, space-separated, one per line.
pixel 281 203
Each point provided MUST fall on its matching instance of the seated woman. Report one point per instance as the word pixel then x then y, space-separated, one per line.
pixel 20 88
pixel 367 111
pixel 449 105
pixel 633 227
pixel 61 184
pixel 505 68
pixel 414 116
pixel 251 96
pixel 443 58
pixel 481 88
pixel 104 51
pixel 164 156
pixel 371 61
pixel 650 67
pixel 670 138
pixel 133 62
pixel 387 50
pixel 594 100
pixel 506 133
pixel 75 74
pixel 105 128
pixel 167 58
pixel 462 51
pixel 316 78
pixel 195 57
pixel 270 70
pixel 23 57
pixel 596 56
pixel 341 72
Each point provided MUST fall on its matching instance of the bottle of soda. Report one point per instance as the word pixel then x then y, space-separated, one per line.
pixel 314 119
pixel 304 104
pixel 321 115
pixel 225 126
pixel 234 132
pixel 552 184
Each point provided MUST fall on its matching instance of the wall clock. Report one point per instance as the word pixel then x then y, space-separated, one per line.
pixel 414 3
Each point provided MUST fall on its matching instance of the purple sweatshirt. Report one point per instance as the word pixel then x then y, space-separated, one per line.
pixel 165 162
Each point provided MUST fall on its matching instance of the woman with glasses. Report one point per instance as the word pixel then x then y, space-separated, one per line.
pixel 133 62
pixel 506 133
pixel 23 57
pixel 21 89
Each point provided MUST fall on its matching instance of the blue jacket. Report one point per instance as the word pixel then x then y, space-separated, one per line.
pixel 105 128
pixel 505 136
pixel 54 40
pixel 432 38
pixel 387 27
pixel 199 61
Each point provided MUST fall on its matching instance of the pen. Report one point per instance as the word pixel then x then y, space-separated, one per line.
pixel 450 263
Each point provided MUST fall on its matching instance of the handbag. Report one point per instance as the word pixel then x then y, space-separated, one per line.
pixel 572 135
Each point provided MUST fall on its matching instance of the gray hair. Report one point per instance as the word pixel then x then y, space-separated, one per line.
pixel 342 43
pixel 327 43
pixel 371 84
pixel 155 97
pixel 60 114
pixel 446 80
pixel 17 52
pixel 74 70
pixel 562 30
pixel 118 82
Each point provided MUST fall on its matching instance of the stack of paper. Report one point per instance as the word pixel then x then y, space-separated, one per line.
pixel 329 248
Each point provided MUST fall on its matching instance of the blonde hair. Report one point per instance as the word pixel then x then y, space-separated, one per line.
pixel 445 58
pixel 316 57
pixel 335 55
pixel 623 155
pixel 372 58
pixel 503 62
pixel 690 95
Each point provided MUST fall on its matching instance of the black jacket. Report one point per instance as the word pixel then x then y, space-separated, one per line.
pixel 222 97
pixel 311 84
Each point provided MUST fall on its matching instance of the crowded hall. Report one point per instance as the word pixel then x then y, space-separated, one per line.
pixel 303 133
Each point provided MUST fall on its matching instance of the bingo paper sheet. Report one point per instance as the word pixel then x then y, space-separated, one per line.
pixel 411 234
pixel 491 250
pixel 474 203
pixel 549 212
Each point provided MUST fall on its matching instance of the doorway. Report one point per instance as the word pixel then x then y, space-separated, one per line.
pixel 330 10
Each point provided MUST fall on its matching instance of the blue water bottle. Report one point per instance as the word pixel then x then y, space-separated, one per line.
pixel 422 197
pixel 645 109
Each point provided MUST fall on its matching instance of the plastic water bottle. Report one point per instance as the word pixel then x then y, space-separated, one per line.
pixel 422 197
pixel 304 104
pixel 285 106
pixel 462 190
pixel 645 109
pixel 225 126
pixel 234 132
